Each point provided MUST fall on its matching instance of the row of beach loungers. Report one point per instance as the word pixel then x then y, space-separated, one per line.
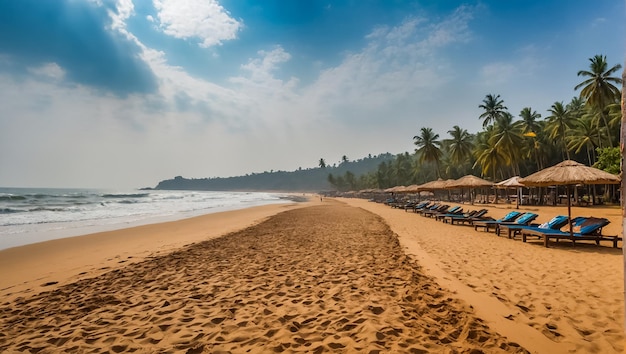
pixel 515 224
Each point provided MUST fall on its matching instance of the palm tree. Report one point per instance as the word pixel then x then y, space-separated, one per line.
pixel 460 146
pixel 493 107
pixel 615 114
pixel 383 175
pixel 402 169
pixel 428 147
pixel 488 156
pixel 598 88
pixel 584 134
pixel 577 107
pixel 529 124
pixel 558 124
pixel 541 148
pixel 507 138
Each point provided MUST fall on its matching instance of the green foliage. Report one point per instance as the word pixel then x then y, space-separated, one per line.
pixel 310 179
pixel 609 159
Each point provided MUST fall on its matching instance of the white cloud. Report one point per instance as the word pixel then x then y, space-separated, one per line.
pixel 125 9
pixel 197 128
pixel 397 70
pixel 525 63
pixel 261 68
pixel 498 73
pixel 50 70
pixel 206 20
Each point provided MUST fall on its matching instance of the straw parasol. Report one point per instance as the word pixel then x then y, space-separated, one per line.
pixel 471 182
pixel 414 188
pixel 401 189
pixel 569 173
pixel 512 182
pixel 432 185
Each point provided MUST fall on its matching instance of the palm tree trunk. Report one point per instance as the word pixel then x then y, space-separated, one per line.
pixel 606 124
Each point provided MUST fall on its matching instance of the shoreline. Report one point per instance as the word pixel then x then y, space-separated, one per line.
pixel 37 232
pixel 60 261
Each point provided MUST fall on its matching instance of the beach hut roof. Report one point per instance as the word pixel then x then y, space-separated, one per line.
pixel 512 182
pixel 414 188
pixel 569 172
pixel 395 189
pixel 470 181
pixel 432 185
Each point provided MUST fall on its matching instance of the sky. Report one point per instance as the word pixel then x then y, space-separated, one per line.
pixel 123 94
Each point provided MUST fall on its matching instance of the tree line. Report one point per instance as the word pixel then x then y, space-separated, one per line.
pixel 585 129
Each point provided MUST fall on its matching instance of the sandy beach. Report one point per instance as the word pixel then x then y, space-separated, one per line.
pixel 334 276
pixel 572 295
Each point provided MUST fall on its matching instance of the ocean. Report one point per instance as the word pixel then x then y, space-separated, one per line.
pixel 30 215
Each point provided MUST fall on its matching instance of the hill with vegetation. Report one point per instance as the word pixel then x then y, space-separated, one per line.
pixel 311 179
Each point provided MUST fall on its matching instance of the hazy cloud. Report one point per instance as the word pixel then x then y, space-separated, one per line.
pixel 205 20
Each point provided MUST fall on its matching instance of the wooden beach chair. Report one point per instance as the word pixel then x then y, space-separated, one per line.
pixel 413 206
pixel 487 224
pixel 431 212
pixel 429 205
pixel 457 210
pixel 513 230
pixel 524 219
pixel 588 229
pixel 468 218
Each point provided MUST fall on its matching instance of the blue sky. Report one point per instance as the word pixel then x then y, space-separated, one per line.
pixel 105 93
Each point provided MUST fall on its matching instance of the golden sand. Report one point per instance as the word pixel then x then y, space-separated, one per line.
pixel 349 276
pixel 571 295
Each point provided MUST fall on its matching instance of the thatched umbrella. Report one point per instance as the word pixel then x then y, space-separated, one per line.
pixel 431 186
pixel 512 182
pixel 471 182
pixel 569 173
pixel 414 188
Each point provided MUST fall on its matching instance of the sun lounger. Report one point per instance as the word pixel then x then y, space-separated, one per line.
pixel 515 229
pixel 431 212
pixel 446 217
pixel 413 206
pixel 524 219
pixel 432 206
pixel 457 210
pixel 588 229
pixel 453 210
pixel 469 218
pixel 429 205
pixel 487 224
